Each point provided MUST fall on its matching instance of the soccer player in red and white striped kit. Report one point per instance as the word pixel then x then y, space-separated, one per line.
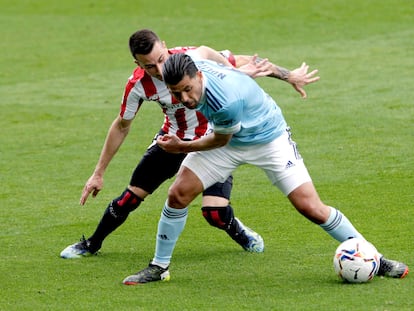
pixel 156 166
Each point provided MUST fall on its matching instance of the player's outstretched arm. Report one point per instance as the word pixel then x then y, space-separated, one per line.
pixel 114 139
pixel 205 52
pixel 255 67
pixel 298 77
pixel 252 67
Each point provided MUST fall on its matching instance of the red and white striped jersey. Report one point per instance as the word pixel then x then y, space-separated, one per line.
pixel 179 120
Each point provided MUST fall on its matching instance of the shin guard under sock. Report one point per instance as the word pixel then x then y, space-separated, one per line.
pixel 170 226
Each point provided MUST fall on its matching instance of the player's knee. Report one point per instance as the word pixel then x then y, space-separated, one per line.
pixel 179 197
pixel 218 216
pixel 125 203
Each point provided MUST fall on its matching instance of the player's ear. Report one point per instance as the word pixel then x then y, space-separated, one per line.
pixel 199 75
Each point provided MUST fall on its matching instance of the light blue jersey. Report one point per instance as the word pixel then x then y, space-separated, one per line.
pixel 235 104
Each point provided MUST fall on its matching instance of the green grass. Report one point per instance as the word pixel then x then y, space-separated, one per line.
pixel 63 69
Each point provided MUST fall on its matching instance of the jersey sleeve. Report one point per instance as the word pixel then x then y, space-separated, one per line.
pixel 229 56
pixel 131 99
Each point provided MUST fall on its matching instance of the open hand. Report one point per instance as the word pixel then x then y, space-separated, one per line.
pixel 300 77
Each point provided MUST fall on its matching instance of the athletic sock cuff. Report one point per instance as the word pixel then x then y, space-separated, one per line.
pixel 174 214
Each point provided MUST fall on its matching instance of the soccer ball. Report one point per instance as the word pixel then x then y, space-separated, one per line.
pixel 356 261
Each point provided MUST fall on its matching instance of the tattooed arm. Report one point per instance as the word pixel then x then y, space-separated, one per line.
pixel 298 77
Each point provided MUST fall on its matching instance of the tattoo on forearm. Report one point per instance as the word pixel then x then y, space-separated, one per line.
pixel 278 72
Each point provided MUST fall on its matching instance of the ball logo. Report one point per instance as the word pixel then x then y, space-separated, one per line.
pixel 356 261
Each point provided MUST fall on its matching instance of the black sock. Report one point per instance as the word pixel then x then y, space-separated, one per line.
pixel 115 215
pixel 107 225
pixel 236 232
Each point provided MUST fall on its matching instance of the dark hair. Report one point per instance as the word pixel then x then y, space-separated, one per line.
pixel 142 42
pixel 176 67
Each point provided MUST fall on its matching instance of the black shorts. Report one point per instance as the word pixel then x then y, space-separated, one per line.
pixel 157 165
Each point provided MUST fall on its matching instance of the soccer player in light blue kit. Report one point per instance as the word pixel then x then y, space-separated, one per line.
pixel 248 128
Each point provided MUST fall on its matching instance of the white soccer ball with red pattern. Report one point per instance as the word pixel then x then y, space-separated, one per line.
pixel 356 261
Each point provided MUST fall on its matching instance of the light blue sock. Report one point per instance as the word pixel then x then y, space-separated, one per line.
pixel 170 226
pixel 339 227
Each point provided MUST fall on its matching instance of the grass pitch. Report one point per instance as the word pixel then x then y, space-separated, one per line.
pixel 63 68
